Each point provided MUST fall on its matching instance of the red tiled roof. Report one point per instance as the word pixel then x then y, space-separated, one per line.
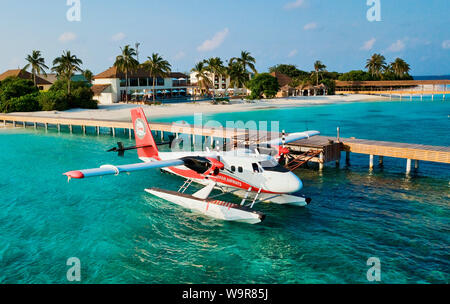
pixel 113 73
pixel 23 75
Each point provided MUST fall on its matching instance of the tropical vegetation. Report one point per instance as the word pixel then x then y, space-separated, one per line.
pixel 157 67
pixel 263 85
pixel 126 63
pixel 37 64
pixel 65 67
pixel 22 95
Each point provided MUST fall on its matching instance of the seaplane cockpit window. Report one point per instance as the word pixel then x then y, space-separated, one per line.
pixel 256 168
pixel 273 165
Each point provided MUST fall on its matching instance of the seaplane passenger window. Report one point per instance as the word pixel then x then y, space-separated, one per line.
pixel 240 169
pixel 233 169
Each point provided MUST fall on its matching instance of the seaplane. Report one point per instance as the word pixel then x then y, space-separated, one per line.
pixel 254 175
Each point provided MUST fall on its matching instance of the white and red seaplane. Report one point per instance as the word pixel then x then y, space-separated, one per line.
pixel 253 175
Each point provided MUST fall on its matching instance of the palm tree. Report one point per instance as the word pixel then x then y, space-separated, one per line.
pixel 216 68
pixel 126 63
pixel 201 73
pixel 37 64
pixel 238 75
pixel 88 75
pixel 400 67
pixel 376 65
pixel 65 66
pixel 158 67
pixel 318 67
pixel 246 60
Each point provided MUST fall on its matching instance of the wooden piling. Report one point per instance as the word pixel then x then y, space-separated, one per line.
pixel 408 166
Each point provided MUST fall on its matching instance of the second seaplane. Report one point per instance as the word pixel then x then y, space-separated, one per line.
pixel 254 175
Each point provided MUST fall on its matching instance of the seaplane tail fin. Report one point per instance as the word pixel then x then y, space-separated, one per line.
pixel 143 135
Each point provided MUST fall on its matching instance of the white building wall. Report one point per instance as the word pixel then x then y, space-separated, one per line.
pixel 112 96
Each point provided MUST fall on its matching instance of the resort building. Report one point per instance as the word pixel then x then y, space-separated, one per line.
pixel 110 86
pixel 220 84
pixel 287 90
pixel 41 83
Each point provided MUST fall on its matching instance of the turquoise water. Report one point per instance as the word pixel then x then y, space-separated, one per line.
pixel 123 235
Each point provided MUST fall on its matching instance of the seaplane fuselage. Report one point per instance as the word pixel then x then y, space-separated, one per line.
pixel 242 170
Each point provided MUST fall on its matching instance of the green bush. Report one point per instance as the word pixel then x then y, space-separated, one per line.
pixel 356 76
pixel 26 103
pixel 262 84
pixel 270 93
pixel 15 87
pixel 53 100
pixel 81 97
pixel 61 85
pixel 331 86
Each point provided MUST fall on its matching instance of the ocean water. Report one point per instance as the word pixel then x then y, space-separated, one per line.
pixel 123 235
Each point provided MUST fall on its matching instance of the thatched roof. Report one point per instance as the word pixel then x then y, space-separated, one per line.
pixel 282 78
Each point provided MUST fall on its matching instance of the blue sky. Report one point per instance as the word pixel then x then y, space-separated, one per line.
pixel 274 31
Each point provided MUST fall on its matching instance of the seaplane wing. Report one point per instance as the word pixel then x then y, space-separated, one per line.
pixel 291 138
pixel 116 170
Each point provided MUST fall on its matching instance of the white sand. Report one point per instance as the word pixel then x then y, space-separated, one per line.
pixel 122 111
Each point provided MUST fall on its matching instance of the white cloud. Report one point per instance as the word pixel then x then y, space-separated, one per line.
pixel 179 55
pixel 310 26
pixel 368 45
pixel 67 37
pixel 214 42
pixel 292 53
pixel 295 4
pixel 446 44
pixel 118 37
pixel 397 46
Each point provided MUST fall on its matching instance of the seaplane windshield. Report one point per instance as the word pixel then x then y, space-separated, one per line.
pixel 273 165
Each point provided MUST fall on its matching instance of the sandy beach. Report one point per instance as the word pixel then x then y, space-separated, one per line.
pixel 122 111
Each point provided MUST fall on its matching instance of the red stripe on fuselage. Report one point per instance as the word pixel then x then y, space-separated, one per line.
pixel 221 178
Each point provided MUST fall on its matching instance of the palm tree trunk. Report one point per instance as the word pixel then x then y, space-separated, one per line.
pixel 154 92
pixel 68 86
pixel 126 86
pixel 214 87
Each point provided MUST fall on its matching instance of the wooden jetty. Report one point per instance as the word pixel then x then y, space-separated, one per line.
pixel 318 149
pixel 398 88
pixel 331 148
pixel 114 125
